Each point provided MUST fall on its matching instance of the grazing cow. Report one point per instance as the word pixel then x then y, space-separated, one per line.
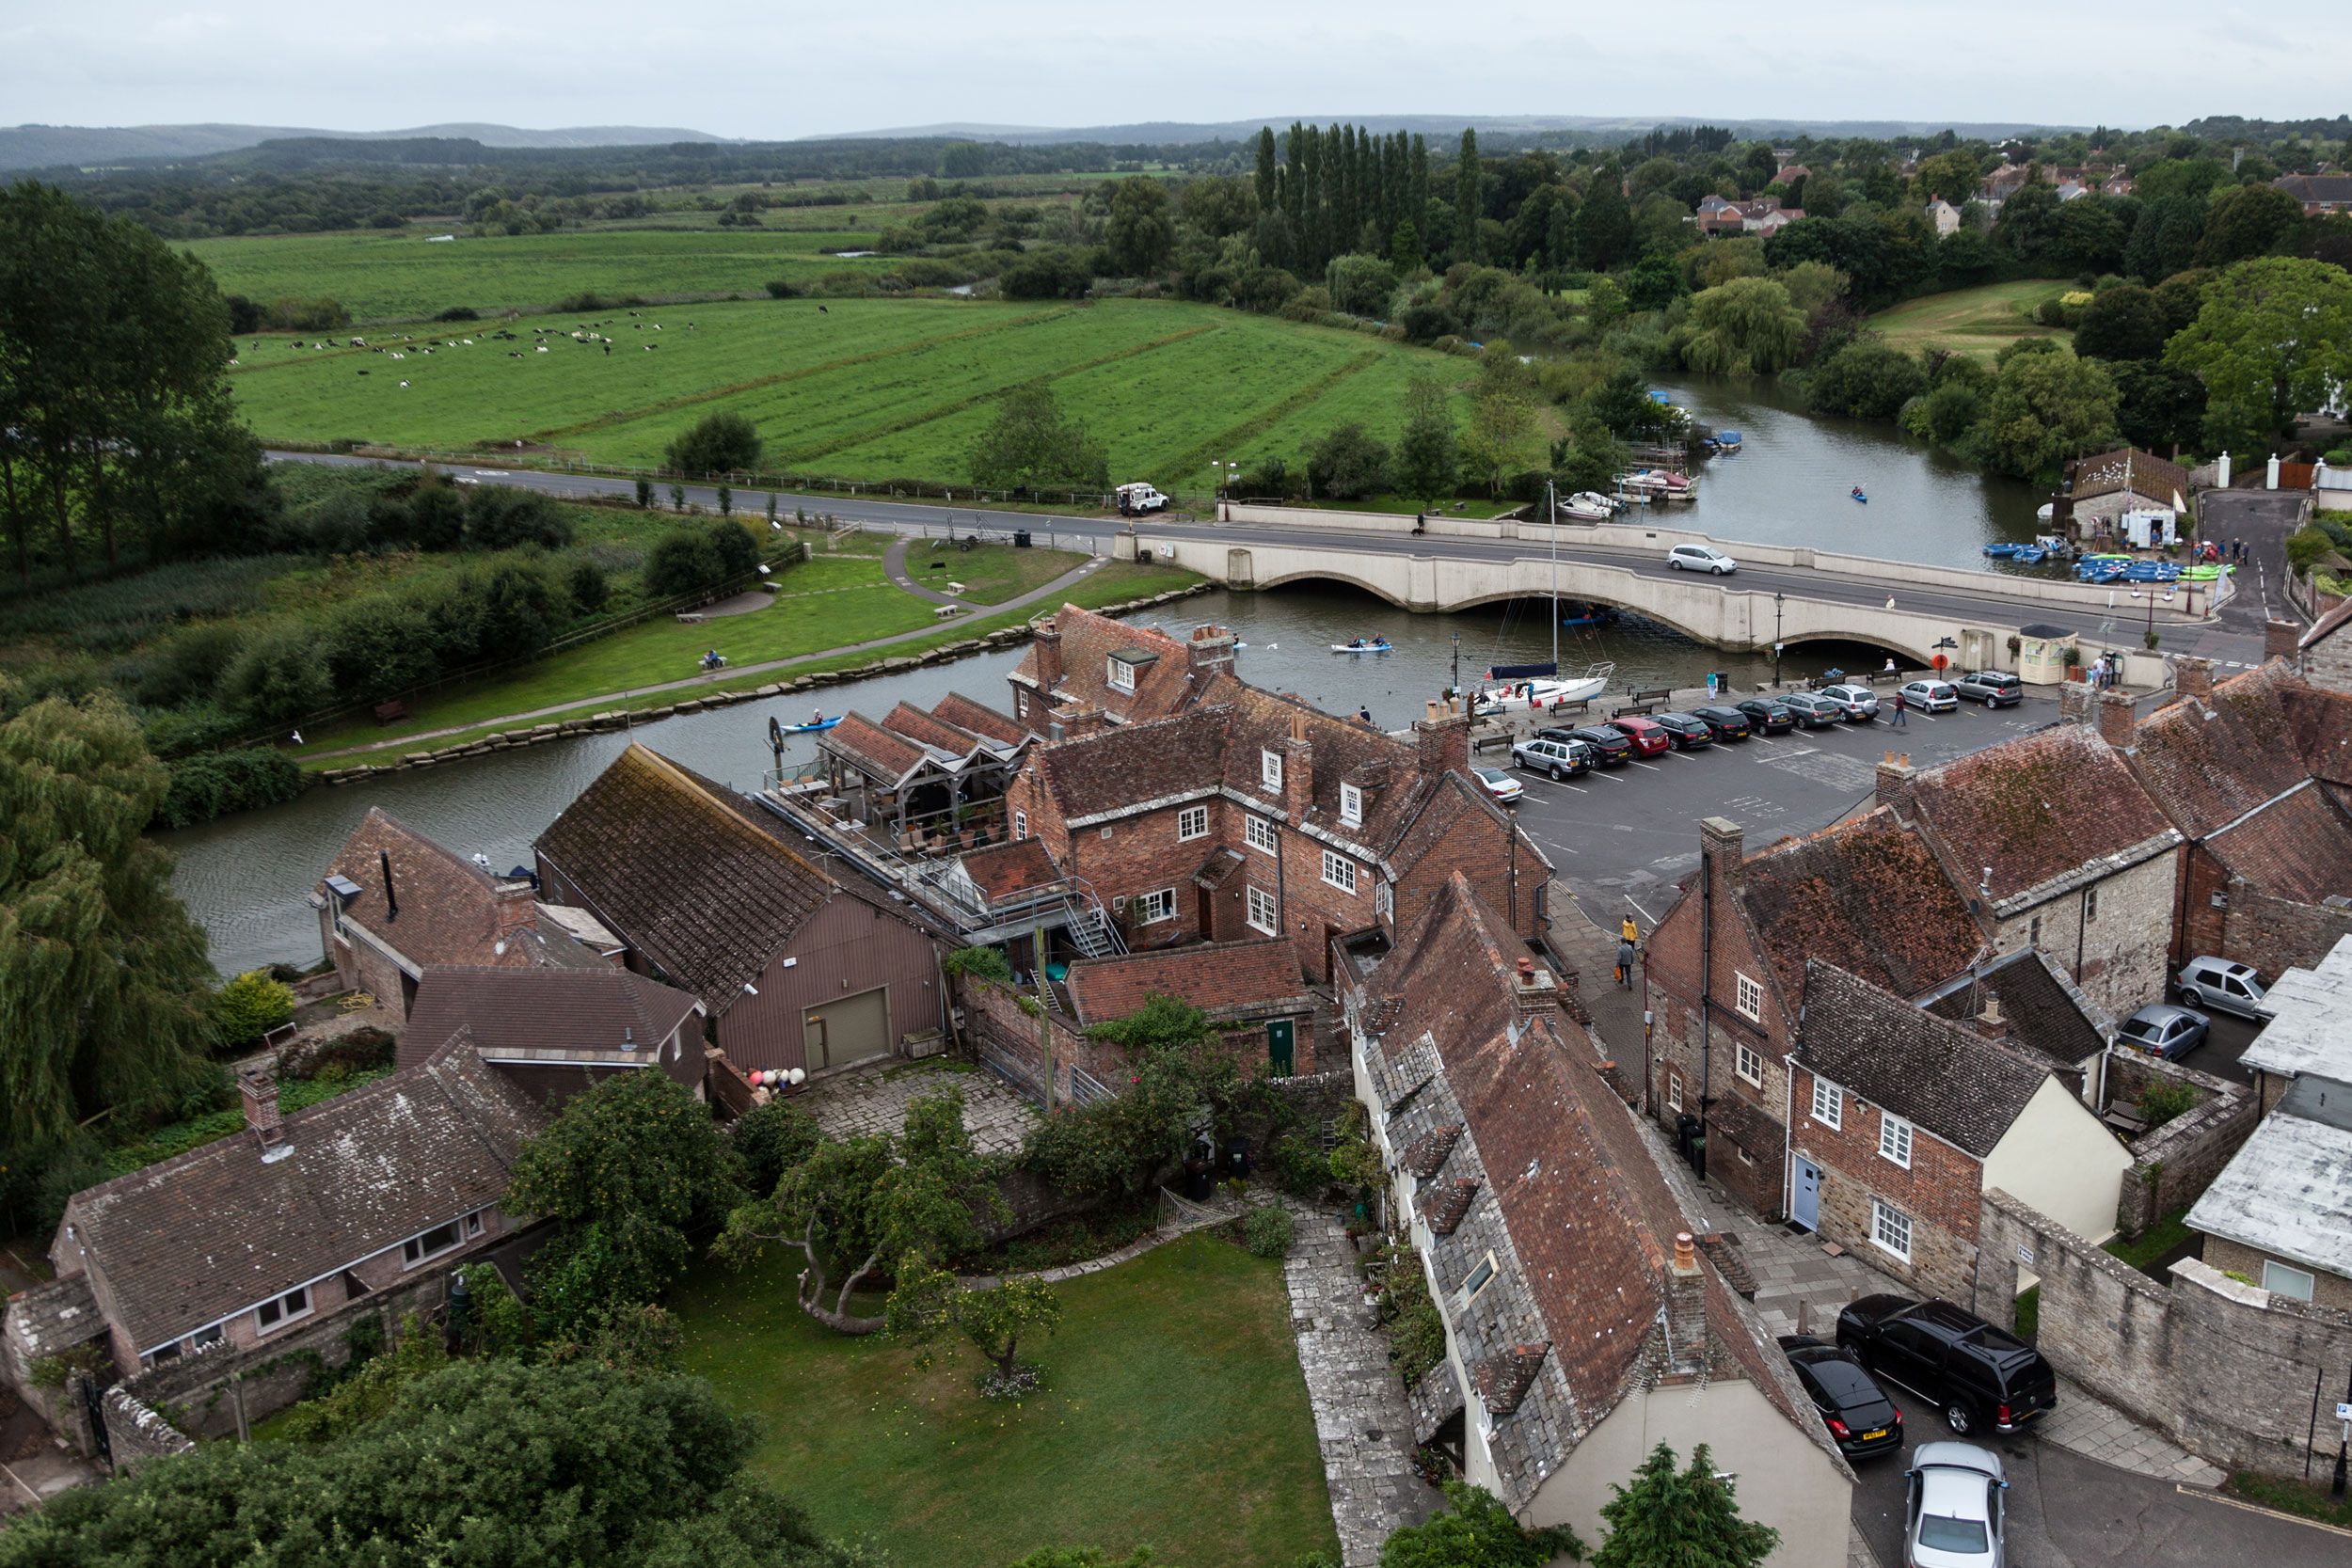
pixel 404 384
pixel 362 372
pixel 543 348
pixel 823 312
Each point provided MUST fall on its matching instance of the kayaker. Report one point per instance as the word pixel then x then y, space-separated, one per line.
pixel 818 718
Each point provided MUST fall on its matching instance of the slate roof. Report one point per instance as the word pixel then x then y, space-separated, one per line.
pixel 449 909
pixel 1216 978
pixel 911 723
pixel 2298 847
pixel 2150 475
pixel 217 1230
pixel 1425 1156
pixel 1952 1081
pixel 563 1013
pixel 2049 1018
pixel 2038 808
pixel 1163 687
pixel 2317 187
pixel 685 871
pixel 1001 870
pixel 1866 896
pixel 871 748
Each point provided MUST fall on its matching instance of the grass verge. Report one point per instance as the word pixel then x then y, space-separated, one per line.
pixel 990 574
pixel 2304 1499
pixel 2167 1234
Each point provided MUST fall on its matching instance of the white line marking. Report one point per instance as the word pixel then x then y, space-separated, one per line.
pixel 1651 766
pixel 1643 913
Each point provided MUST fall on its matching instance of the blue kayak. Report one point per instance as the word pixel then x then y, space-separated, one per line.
pixel 1860 497
pixel 820 724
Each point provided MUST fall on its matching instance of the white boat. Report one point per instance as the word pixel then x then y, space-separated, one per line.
pixel 2044 512
pixel 1585 507
pixel 1521 696
pixel 1383 646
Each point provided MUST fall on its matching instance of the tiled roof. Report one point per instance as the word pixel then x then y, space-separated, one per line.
pixel 2317 187
pixel 1437 816
pixel 681 870
pixel 1163 685
pixel 1444 1204
pixel 978 718
pixel 218 1229
pixel 1002 870
pixel 873 749
pixel 1426 1154
pixel 448 910
pixel 911 723
pixel 1386 768
pixel 2326 626
pixel 1954 1082
pixel 2320 723
pixel 2206 765
pixel 53 1315
pixel 557 1011
pixel 1120 767
pixel 2298 847
pixel 1503 1379
pixel 2038 807
pixel 2048 1017
pixel 1866 896
pixel 1214 977
pixel 2149 475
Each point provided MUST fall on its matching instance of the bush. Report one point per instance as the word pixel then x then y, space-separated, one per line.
pixel 307 315
pixel 501 518
pixel 1267 1231
pixel 2160 1102
pixel 459 313
pixel 214 783
pixel 1299 1165
pixel 780 288
pixel 249 1006
pixel 1348 464
pixel 771 1139
pixel 2307 547
pixel 583 302
pixel 715 444
pixel 988 964
pixel 585 582
pixel 1046 275
pixel 277 675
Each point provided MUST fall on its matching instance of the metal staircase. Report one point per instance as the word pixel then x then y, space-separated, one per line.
pixel 1091 932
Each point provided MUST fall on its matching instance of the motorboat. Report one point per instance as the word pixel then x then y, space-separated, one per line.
pixel 2044 512
pixel 1586 507
pixel 1379 645
pixel 1726 440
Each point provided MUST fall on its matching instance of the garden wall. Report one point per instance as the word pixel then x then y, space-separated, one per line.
pixel 2173 1165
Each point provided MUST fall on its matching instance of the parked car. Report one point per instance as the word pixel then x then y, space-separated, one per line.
pixel 1952 1512
pixel 2223 985
pixel 2164 1031
pixel 1700 558
pixel 1559 760
pixel 1686 731
pixel 1978 1375
pixel 1611 747
pixel 1505 788
pixel 1859 703
pixel 1860 1417
pixel 1813 710
pixel 1993 688
pixel 1725 723
pixel 1931 696
pixel 1649 737
pixel 1770 714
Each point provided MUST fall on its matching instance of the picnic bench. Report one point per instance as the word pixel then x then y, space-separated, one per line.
pixel 391 712
pixel 941 612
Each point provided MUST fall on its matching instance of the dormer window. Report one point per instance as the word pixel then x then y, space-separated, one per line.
pixel 1270 770
pixel 1122 675
pixel 1351 805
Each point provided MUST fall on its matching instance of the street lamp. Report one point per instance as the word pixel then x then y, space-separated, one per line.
pixel 1779 602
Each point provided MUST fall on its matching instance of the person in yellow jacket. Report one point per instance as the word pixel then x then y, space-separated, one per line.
pixel 1630 931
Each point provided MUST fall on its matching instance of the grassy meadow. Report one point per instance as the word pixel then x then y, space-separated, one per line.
pixel 861 389
pixel 1978 321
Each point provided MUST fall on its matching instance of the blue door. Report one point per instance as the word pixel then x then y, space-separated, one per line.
pixel 1805 1201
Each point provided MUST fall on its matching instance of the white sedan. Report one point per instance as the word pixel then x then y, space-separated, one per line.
pixel 1700 558
pixel 1505 788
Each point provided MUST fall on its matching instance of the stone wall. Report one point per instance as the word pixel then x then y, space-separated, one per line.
pixel 2227 1370
pixel 1937 1191
pixel 2111 937
pixel 2173 1165
pixel 137 1432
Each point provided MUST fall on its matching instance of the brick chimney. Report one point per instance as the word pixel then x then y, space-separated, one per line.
pixel 1993 1023
pixel 1894 787
pixel 1210 651
pixel 1046 643
pixel 2113 715
pixel 1533 990
pixel 1686 1306
pixel 517 904
pixel 258 1087
pixel 1723 844
pixel 1299 770
pixel 1444 738
pixel 2074 702
pixel 2280 639
pixel 2193 677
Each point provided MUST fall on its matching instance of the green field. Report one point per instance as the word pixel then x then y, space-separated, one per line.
pixel 1975 321
pixel 860 390
pixel 1173 1416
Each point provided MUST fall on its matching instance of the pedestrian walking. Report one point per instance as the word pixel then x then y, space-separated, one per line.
pixel 1902 719
pixel 1628 931
pixel 1625 965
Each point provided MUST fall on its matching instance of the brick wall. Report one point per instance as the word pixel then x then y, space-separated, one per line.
pixel 1005 1037
pixel 2117 951
pixel 2276 934
pixel 2174 1165
pixel 1938 1193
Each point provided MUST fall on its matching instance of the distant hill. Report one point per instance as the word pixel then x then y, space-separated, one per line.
pixel 55 146
pixel 1610 127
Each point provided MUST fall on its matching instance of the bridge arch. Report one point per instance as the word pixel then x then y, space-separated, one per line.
pixel 1922 656
pixel 1321 574
pixel 1648 612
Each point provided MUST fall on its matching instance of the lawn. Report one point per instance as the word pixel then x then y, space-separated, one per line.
pixel 990 574
pixel 1174 1416
pixel 2167 1234
pixel 1978 321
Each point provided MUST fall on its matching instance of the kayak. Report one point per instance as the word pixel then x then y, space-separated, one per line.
pixel 1860 497
pixel 820 724
pixel 1384 645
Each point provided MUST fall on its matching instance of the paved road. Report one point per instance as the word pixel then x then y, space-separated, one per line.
pixel 1991 605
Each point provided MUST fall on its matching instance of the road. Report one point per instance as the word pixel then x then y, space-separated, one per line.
pixel 2239 644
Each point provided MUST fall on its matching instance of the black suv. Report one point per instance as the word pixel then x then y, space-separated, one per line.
pixel 1685 732
pixel 1729 723
pixel 1769 715
pixel 1614 748
pixel 1979 1376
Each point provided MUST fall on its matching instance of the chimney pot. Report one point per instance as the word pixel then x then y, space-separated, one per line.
pixel 1991 1024
pixel 1723 843
pixel 258 1086
pixel 1895 774
pixel 1686 1253
pixel 2193 677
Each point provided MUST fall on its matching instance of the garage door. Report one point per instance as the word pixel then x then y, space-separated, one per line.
pixel 849 1030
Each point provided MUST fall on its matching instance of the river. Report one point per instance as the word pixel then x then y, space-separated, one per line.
pixel 248 878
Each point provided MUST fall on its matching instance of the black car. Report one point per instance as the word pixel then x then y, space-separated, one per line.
pixel 1685 732
pixel 1727 724
pixel 1981 1377
pixel 1616 750
pixel 1856 1410
pixel 1769 715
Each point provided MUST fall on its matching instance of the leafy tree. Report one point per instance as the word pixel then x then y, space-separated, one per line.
pixel 771 1139
pixel 2246 221
pixel 1866 379
pixel 930 1301
pixel 2271 337
pixel 1503 404
pixel 1360 285
pixel 1470 199
pixel 522 610
pixel 2086 235
pixel 2158 406
pixel 586 585
pixel 1347 463
pixel 1405 252
pixel 1475 1531
pixel 717 443
pixel 1592 457
pixel 249 1006
pixel 2122 321
pixel 625 1172
pixel 683 560
pixel 2046 405
pixel 644 494
pixel 102 976
pixel 1745 326
pixel 1689 1518
pixel 2180 296
pixel 1427 455
pixel 1051 273
pixel 2166 237
pixel 277 674
pixel 1218 205
pixel 1032 443
pixel 1947 177
pixel 501 517
pixel 1140 231
pixel 1603 228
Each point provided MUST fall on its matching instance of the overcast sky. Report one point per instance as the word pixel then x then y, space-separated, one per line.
pixel 760 69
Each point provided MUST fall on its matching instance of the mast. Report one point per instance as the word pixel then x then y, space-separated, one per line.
pixel 1551 509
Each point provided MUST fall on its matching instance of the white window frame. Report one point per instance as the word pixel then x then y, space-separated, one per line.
pixel 1384 900
pixel 1674 1091
pixel 1270 768
pixel 1339 871
pixel 1262 911
pixel 285 1314
pixel 2272 1267
pixel 1120 674
pixel 1748 996
pixel 1481 1275
pixel 1160 899
pixel 1020 824
pixel 1888 1221
pixel 1829 1104
pixel 1747 1063
pixel 1351 806
pixel 1192 822
pixel 1259 833
pixel 211 1334
pixel 415 1254
pixel 1895 1139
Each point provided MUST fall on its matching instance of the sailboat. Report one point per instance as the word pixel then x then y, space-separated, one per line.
pixel 1519 687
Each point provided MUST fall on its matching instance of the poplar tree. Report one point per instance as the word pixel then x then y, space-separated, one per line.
pixel 1469 202
pixel 1266 168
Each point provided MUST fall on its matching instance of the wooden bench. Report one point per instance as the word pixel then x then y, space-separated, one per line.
pixel 689 618
pixel 391 712
pixel 1885 677
pixel 1494 742
pixel 1576 705
pixel 1651 694
pixel 1626 708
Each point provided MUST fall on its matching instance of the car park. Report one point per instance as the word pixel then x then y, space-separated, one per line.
pixel 1700 558
pixel 1725 723
pixel 2223 985
pixel 2164 1031
pixel 1859 703
pixel 1769 715
pixel 1611 747
pixel 1559 760
pixel 1862 1420
pixel 1953 1508
pixel 1648 738
pixel 1505 788
pixel 1981 1377
pixel 1930 696
pixel 1993 688
pixel 1813 710
pixel 1686 731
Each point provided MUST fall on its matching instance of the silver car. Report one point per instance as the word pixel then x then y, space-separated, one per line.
pixel 2223 985
pixel 1700 558
pixel 1955 1507
pixel 1857 703
pixel 1930 696
pixel 2164 1031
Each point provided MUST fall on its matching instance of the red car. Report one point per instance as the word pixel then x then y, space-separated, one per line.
pixel 1648 738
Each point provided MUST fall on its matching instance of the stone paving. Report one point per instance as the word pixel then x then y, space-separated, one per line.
pixel 1363 1424
pixel 870 1099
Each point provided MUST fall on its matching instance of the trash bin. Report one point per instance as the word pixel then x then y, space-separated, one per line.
pixel 1021 539
pixel 1199 1179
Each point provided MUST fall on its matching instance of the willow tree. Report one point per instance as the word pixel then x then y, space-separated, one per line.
pixel 103 978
